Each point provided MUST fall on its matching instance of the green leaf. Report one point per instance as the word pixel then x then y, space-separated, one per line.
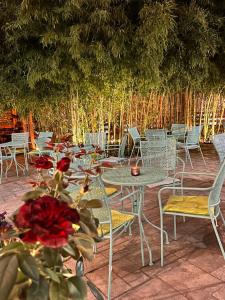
pixel 12 246
pixel 52 257
pixel 95 291
pixel 59 291
pixel 77 288
pixel 94 203
pixel 33 195
pixel 28 266
pixel 8 274
pixel 38 291
pixel 85 245
pixel 71 251
pixel 53 275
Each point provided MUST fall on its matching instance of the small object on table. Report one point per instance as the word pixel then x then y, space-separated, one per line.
pixel 135 171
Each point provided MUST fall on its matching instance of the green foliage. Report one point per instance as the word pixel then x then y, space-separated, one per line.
pixel 102 51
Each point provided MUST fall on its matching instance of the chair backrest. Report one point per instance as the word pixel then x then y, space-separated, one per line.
pixel 45 134
pixel 41 143
pixel 155 134
pixel 219 144
pixel 193 135
pixel 22 137
pixel 96 138
pixel 178 130
pixel 214 196
pixel 123 146
pixel 160 154
pixel 135 135
pixel 97 191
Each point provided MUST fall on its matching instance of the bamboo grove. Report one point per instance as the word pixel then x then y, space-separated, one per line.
pixel 82 65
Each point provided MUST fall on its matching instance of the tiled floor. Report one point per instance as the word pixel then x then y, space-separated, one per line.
pixel 194 267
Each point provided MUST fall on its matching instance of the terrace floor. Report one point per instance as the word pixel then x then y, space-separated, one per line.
pixel 194 267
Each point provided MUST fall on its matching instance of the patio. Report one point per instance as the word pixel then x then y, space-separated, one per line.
pixel 194 267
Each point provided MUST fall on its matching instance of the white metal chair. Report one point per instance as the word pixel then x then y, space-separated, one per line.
pixel 45 134
pixel 40 147
pixel 96 138
pixel 7 156
pixel 162 154
pixel 121 152
pixel 136 138
pixel 155 134
pixel 112 223
pixel 192 142
pixel 22 139
pixel 219 144
pixel 179 131
pixel 195 205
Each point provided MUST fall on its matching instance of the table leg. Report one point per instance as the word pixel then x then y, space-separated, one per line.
pixel 142 233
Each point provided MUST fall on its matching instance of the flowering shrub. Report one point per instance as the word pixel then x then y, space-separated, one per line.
pixel 49 229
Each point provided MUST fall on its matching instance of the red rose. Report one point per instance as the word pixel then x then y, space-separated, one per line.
pixel 49 221
pixel 64 164
pixel 43 162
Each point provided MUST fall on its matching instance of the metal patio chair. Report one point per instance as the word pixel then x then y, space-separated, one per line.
pixel 219 144
pixel 41 147
pixel 192 142
pixel 195 205
pixel 96 138
pixel 179 131
pixel 155 134
pixel 8 157
pixel 45 135
pixel 112 223
pixel 22 139
pixel 163 155
pixel 121 152
pixel 136 138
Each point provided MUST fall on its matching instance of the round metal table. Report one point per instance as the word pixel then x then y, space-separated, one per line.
pixel 122 177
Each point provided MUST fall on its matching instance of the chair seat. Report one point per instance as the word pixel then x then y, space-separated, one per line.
pixel 113 159
pixel 167 181
pixel 110 191
pixel 196 205
pixel 189 146
pixel 118 219
pixel 74 191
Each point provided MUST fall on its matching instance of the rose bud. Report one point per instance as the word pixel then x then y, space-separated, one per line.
pixel 64 164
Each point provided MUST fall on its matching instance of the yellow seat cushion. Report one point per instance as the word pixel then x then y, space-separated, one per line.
pixel 196 205
pixel 110 191
pixel 118 219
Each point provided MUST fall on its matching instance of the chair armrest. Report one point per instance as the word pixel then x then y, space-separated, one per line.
pixel 174 188
pixel 195 173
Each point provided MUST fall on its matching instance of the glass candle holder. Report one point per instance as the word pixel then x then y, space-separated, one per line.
pixel 135 171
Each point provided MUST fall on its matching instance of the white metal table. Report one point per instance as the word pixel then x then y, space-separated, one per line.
pixel 122 177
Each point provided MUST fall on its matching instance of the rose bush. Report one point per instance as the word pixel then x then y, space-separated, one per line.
pixel 43 162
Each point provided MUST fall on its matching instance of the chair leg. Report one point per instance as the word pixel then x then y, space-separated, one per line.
pixel 218 237
pixel 1 172
pixel 221 215
pixel 189 157
pixel 161 238
pixel 110 268
pixel 202 156
pixel 175 227
pixel 141 240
